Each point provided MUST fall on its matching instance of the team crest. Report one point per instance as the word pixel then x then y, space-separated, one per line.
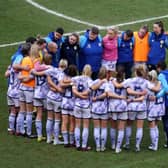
pixel 88 46
pixel 131 45
pixel 161 43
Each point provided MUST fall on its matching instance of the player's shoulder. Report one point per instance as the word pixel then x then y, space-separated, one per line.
pixel 96 80
pixel 26 59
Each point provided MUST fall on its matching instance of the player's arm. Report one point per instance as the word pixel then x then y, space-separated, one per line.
pixel 20 67
pixel 41 73
pixel 156 88
pixel 115 96
pixel 136 93
pixel 139 99
pixel 117 85
pixel 100 97
pixel 40 67
pixel 163 81
pixel 7 72
pixel 98 84
pixel 164 84
pixel 86 93
pixel 23 78
pixel 66 83
pixel 78 94
pixel 53 85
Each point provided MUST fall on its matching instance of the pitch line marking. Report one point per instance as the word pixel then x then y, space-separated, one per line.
pixel 100 27
pixel 37 5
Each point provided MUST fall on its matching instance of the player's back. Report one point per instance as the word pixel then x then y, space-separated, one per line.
pixel 27 61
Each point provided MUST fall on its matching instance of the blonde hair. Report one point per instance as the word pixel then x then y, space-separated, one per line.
pixel 102 73
pixel 34 51
pixel 114 29
pixel 152 75
pixel 63 64
pixel 140 70
pixel 47 59
pixel 87 70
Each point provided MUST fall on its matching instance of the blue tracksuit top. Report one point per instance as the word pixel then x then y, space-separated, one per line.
pixel 163 78
pixel 69 52
pixel 158 44
pixel 55 59
pixel 125 49
pixel 16 54
pixel 90 52
pixel 51 38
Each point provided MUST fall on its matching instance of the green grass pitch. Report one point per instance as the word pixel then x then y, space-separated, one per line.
pixel 18 20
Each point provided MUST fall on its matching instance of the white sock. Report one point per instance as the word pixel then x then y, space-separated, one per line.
pixel 49 128
pixel 113 136
pixel 157 136
pixel 97 136
pixel 12 118
pixel 120 138
pixel 128 133
pixel 56 130
pixel 85 135
pixel 29 116
pixel 103 137
pixel 20 123
pixel 139 135
pixel 71 138
pixel 153 136
pixel 77 137
pixel 65 137
pixel 39 128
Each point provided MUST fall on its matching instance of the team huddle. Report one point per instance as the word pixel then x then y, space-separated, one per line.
pixel 91 80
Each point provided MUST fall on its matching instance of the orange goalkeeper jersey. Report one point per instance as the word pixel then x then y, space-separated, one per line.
pixel 141 48
pixel 27 62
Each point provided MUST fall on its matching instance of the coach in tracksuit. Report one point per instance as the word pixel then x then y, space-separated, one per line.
pixel 70 49
pixel 163 78
pixel 91 51
pixel 158 43
pixel 125 52
pixel 56 37
pixel 52 49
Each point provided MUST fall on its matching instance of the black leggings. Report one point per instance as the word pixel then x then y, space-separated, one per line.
pixel 165 123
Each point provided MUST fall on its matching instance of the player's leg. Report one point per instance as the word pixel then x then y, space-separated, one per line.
pixel 11 119
pixel 153 135
pixel 20 119
pixel 49 125
pixel 121 127
pixel 50 120
pixel 96 123
pixel 71 129
pixel 77 131
pixel 38 123
pixel 103 136
pixel 128 129
pixel 64 127
pixel 21 114
pixel 57 113
pixel 86 115
pixel 29 111
pixel 113 130
pixel 157 131
pixel 139 133
pixel 165 125
pixel 12 115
